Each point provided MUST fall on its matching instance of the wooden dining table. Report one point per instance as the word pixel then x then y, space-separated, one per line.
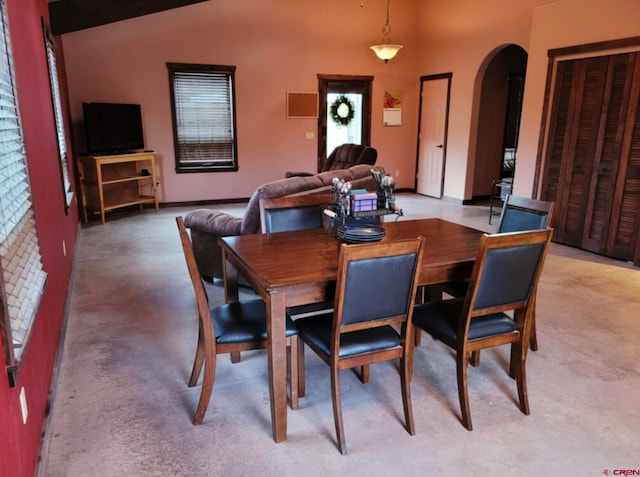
pixel 295 268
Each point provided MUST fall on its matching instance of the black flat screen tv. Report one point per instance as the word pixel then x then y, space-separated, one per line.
pixel 112 128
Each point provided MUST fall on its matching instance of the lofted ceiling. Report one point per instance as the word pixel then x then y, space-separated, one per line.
pixel 67 16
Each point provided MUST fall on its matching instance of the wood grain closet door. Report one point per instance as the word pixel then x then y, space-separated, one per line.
pixel 624 235
pixel 592 162
pixel 572 143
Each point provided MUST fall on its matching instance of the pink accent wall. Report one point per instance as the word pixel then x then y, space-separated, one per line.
pixel 277 46
pixel 19 442
pixel 281 46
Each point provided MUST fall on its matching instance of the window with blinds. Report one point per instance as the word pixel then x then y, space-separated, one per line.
pixel 23 277
pixel 57 112
pixel 204 125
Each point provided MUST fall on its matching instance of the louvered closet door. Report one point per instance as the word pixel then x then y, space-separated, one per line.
pixel 590 154
pixel 624 235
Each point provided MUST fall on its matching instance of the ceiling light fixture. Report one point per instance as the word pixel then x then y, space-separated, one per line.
pixel 386 50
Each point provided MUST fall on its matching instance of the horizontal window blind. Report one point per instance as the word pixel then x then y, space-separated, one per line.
pixel 57 112
pixel 23 277
pixel 203 118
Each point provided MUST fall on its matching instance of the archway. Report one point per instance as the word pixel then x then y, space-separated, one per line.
pixel 497 107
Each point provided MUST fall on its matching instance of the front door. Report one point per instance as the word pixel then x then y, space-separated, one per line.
pixel 357 129
pixel 434 106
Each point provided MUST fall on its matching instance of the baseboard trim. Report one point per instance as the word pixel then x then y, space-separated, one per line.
pixel 45 435
pixel 196 203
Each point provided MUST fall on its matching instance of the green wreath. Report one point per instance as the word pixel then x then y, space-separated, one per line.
pixel 342 111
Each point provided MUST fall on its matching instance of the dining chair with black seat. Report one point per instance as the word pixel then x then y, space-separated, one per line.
pixel 522 213
pixel 284 214
pixel 504 280
pixel 228 328
pixel 518 214
pixel 375 292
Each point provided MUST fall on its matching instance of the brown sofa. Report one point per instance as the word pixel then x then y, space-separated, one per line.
pixel 207 225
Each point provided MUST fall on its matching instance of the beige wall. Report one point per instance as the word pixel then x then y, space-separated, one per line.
pixel 280 45
pixel 568 23
pixel 461 37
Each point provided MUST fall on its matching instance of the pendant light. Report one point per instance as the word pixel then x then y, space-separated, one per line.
pixel 386 50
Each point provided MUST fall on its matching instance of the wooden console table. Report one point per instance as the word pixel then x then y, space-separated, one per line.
pixel 112 182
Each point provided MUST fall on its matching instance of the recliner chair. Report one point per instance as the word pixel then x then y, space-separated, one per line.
pixel 343 157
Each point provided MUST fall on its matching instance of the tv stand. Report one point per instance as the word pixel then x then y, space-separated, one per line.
pixel 117 153
pixel 116 181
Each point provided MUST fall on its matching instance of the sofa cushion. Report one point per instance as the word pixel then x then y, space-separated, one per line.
pixel 343 157
pixel 207 220
pixel 318 183
pixel 349 155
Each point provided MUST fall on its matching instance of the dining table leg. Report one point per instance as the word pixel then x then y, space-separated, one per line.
pixel 230 280
pixel 277 351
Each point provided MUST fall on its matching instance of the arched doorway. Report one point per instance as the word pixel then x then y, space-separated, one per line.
pixel 498 104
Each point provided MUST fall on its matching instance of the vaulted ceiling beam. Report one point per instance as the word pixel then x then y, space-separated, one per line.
pixel 67 16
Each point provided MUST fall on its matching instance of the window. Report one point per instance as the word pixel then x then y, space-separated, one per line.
pixel 204 123
pixel 57 112
pixel 23 277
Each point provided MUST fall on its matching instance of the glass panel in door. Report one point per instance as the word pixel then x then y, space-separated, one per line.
pixel 338 134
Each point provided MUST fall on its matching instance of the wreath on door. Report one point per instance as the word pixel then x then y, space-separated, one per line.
pixel 342 111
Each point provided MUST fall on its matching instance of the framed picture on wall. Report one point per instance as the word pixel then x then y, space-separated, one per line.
pixel 392 108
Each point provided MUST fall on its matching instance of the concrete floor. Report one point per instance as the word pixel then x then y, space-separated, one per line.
pixel 122 408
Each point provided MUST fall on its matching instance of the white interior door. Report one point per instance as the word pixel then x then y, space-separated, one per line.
pixel 431 142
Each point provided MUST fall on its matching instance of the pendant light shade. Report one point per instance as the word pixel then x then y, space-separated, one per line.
pixel 386 51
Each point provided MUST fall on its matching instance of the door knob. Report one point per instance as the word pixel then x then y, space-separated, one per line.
pixel 440 146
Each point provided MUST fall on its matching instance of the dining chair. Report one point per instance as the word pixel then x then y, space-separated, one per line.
pixel 518 214
pixel 232 327
pixel 499 190
pixel 504 279
pixel 375 292
pixel 284 214
pixel 522 213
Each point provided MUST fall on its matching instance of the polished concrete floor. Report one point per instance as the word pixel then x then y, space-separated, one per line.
pixel 121 406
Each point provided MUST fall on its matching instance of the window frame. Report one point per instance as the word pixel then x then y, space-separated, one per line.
pixel 191 163
pixel 56 105
pixel 22 275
